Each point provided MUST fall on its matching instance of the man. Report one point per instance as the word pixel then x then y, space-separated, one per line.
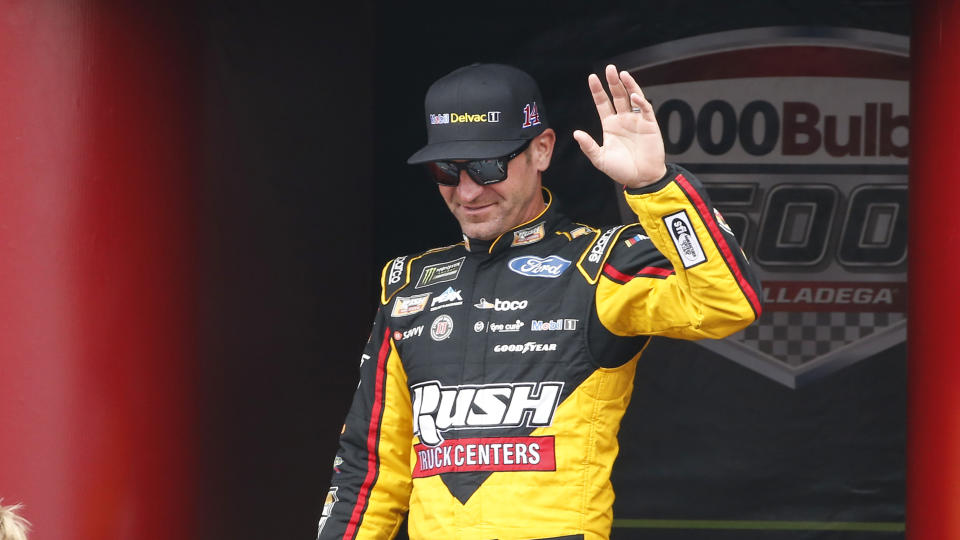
pixel 498 369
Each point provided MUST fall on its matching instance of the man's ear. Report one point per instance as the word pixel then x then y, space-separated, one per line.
pixel 541 149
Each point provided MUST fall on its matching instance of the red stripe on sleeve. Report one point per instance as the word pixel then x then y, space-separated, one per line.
pixel 616 274
pixel 721 242
pixel 372 436
pixel 654 271
pixel 647 271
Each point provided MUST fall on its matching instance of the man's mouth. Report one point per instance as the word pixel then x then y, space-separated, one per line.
pixel 475 208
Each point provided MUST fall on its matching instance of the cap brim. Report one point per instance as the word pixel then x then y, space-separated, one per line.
pixel 451 150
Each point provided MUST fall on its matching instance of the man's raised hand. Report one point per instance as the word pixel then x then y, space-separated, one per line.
pixel 632 153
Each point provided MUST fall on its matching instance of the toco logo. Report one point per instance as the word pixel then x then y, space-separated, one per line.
pixel 807 162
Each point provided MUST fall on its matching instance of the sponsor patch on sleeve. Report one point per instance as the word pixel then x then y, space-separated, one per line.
pixel 685 239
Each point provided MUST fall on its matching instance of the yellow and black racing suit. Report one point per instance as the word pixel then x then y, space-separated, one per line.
pixel 496 375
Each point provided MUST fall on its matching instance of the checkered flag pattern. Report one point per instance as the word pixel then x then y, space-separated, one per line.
pixel 796 338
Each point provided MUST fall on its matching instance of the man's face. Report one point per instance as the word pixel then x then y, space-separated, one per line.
pixel 487 211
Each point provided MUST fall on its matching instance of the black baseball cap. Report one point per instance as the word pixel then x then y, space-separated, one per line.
pixel 480 111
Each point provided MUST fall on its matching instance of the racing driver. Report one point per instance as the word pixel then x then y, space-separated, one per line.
pixel 498 369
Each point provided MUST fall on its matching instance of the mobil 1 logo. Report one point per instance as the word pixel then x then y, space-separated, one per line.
pixel 807 164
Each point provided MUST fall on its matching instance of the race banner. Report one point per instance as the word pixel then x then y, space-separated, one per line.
pixel 806 160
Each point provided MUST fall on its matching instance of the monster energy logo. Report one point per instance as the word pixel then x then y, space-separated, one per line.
pixel 440 272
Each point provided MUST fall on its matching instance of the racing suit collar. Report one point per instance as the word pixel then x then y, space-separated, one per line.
pixel 529 232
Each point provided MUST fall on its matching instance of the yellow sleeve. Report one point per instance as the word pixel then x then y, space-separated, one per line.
pixel 683 275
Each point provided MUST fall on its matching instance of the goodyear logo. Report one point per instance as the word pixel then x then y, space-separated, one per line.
pixel 490 117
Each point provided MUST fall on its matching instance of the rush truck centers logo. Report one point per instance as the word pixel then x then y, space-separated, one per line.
pixel 807 162
pixel 438 408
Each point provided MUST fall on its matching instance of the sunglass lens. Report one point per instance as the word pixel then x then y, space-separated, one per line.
pixel 444 173
pixel 488 171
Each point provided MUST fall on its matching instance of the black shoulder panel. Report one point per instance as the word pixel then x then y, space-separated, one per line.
pixel 396 273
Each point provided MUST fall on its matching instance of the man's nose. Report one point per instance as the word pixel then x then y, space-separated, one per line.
pixel 467 189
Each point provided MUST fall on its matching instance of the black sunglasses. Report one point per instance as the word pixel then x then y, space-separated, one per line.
pixel 482 171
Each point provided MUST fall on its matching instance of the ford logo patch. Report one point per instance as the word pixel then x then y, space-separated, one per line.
pixel 529 265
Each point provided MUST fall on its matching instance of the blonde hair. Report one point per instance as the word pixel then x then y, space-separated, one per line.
pixel 12 525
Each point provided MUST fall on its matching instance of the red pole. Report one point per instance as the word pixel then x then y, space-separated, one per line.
pixel 97 123
pixel 933 426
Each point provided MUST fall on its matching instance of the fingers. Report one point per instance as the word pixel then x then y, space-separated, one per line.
pixel 589 146
pixel 604 108
pixel 637 99
pixel 618 90
pixel 624 90
pixel 631 85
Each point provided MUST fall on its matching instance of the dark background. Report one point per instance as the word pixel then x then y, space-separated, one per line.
pixel 310 114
